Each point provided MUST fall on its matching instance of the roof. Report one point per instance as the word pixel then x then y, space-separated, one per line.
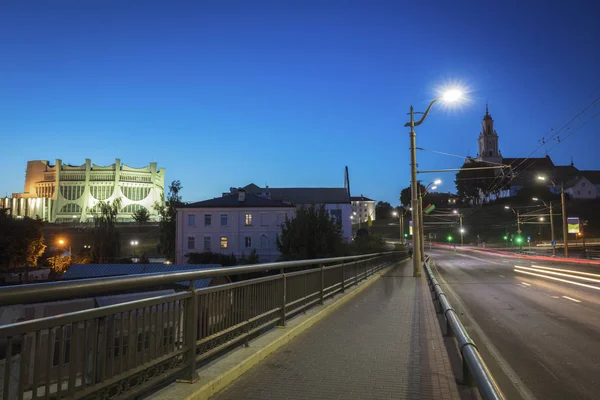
pixel 592 176
pixel 565 172
pixel 310 195
pixel 520 164
pixel 232 201
pixel 83 271
pixel 360 198
pixel 574 181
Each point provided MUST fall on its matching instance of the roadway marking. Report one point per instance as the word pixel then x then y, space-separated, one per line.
pixel 555 297
pixel 525 283
pixel 572 299
pixel 583 278
pixel 557 279
pixel 567 270
pixel 501 276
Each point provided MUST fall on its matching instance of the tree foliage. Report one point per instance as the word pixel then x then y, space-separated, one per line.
pixel 312 233
pixel 168 220
pixel 106 246
pixel 406 196
pixel 367 244
pixel 383 210
pixel 59 263
pixel 141 215
pixel 472 185
pixel 207 257
pixel 21 241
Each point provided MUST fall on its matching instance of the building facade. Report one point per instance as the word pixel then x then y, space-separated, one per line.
pixel 335 200
pixel 362 209
pixel 70 193
pixel 236 223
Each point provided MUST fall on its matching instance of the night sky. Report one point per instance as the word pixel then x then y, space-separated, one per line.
pixel 287 93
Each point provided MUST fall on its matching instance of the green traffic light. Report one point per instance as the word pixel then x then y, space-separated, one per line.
pixel 519 239
pixel 449 238
pixel 406 235
pixel 505 237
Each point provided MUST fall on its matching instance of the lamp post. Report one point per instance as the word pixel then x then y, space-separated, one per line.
pixel 461 229
pixel 564 212
pixel 400 224
pixel 430 186
pixel 449 96
pixel 518 214
pixel 551 224
pixel 134 243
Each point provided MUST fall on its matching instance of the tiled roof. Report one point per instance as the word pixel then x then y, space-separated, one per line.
pixel 360 198
pixel 310 195
pixel 232 201
pixel 83 271
pixel 592 176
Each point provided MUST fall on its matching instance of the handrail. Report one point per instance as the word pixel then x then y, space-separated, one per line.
pixel 473 365
pixel 41 292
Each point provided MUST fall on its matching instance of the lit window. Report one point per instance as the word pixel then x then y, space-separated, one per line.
pixel 206 243
pixel 223 219
pixel 191 220
pixel 223 242
pixel 207 219
pixel 191 242
pixel 248 241
pixel 248 219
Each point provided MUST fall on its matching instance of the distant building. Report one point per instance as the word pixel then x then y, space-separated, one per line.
pixel 68 193
pixel 524 171
pixel 236 224
pixel 335 200
pixel 362 209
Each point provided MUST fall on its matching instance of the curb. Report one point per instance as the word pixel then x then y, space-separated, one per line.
pixel 220 373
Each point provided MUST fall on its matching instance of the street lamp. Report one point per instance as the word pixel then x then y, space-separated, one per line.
pixel 518 214
pixel 450 96
pixel 551 223
pixel 564 213
pixel 430 186
pixel 134 243
pixel 63 244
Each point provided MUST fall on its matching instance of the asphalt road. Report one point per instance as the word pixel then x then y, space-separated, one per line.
pixel 539 336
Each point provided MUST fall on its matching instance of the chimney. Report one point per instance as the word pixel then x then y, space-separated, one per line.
pixel 241 195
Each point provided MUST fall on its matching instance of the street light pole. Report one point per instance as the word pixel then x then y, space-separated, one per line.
pixel 415 195
pixel 462 231
pixel 519 222
pixel 564 216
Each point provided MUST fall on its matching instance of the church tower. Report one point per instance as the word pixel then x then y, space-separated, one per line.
pixel 488 140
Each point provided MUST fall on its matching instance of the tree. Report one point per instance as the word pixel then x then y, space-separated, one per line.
pixel 313 233
pixel 207 257
pixel 383 209
pixel 473 185
pixel 168 220
pixel 141 215
pixel 21 241
pixel 59 263
pixel 106 246
pixel 406 195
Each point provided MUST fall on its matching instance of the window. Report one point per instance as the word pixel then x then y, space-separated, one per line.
pixel 207 219
pixel 224 242
pixel 337 216
pixel 248 241
pixel 191 220
pixel 248 219
pixel 191 242
pixel 223 219
pixel 206 243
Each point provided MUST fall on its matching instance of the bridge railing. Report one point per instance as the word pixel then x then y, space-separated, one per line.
pixel 473 367
pixel 123 350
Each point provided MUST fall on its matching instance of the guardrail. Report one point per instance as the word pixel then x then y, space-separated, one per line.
pixel 121 351
pixel 473 366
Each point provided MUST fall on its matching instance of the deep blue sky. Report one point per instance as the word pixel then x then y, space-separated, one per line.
pixel 224 93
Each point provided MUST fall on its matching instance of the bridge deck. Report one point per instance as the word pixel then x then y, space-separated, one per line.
pixel 383 344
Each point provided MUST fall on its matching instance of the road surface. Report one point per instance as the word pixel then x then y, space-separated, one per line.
pixel 538 327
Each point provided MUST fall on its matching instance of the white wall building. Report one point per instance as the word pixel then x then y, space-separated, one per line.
pixel 233 224
pixel 363 207
pixel 335 200
pixel 66 193
pixel 580 188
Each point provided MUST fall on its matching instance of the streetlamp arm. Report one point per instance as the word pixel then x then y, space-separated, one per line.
pixel 419 122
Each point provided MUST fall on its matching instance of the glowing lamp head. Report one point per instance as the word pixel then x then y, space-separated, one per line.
pixel 507 207
pixel 437 182
pixel 534 199
pixel 433 187
pixel 61 242
pixel 395 214
pixel 541 178
pixel 455 211
pixel 452 95
pixel 462 230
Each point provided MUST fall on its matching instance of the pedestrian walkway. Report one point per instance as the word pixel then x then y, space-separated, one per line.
pixel 385 343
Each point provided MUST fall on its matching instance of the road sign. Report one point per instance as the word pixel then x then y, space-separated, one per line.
pixel 553 243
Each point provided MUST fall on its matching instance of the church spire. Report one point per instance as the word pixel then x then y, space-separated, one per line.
pixel 487 112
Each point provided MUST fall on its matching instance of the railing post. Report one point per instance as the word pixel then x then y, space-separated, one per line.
pixel 356 272
pixel 191 336
pixel 343 279
pixel 283 298
pixel 322 284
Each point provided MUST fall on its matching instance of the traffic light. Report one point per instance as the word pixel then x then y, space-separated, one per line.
pixel 449 238
pixel 505 237
pixel 519 239
pixel 406 235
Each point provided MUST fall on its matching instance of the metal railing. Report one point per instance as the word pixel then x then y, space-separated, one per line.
pixel 123 350
pixel 473 366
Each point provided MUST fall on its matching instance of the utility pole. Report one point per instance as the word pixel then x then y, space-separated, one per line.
pixel 414 196
pixel 422 224
pixel 552 232
pixel 401 216
pixel 518 222
pixel 461 230
pixel 564 217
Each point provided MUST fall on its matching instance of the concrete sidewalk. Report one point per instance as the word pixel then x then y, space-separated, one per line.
pixel 385 343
